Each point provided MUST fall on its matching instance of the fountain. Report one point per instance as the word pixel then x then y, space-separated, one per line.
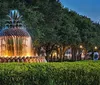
pixel 15 41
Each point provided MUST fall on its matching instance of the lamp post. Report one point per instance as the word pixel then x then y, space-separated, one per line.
pixel 81 47
pixel 95 47
pixel 96 54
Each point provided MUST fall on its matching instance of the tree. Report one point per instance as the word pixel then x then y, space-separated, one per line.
pixel 52 26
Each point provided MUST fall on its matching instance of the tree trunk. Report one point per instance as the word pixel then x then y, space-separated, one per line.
pixel 74 51
pixel 49 49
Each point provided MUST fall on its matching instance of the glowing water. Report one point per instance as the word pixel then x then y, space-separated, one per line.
pixel 14 39
pixel 15 46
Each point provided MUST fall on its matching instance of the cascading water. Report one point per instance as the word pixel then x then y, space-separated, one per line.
pixel 15 41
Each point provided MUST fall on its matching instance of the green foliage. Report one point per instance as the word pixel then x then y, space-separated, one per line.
pixel 48 22
pixel 68 73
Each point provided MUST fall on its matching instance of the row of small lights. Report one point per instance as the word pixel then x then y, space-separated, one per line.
pixel 94 47
pixel 80 47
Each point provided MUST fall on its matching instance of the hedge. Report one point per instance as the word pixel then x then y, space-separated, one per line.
pixel 66 73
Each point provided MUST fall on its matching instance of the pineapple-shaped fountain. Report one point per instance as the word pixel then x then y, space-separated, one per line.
pixel 15 41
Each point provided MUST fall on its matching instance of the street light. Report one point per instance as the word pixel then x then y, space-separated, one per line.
pixel 81 51
pixel 95 48
pixel 81 46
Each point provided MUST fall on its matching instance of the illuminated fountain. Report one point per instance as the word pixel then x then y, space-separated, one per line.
pixel 15 41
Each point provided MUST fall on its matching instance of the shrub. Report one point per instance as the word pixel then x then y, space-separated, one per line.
pixel 67 73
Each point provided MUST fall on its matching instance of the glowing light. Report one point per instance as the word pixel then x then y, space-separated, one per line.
pixel 28 54
pixel 95 47
pixel 55 54
pixel 81 46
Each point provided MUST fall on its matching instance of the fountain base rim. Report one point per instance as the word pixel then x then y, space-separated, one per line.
pixel 23 59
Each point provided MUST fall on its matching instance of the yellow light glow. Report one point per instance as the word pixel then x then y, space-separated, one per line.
pixel 81 46
pixel 16 46
pixel 28 54
pixel 95 47
pixel 55 54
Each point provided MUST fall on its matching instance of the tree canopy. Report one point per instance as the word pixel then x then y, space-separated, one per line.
pixel 50 24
